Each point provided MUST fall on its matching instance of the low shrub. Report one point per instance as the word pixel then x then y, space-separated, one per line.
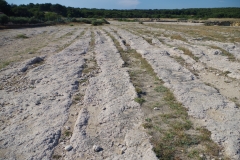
pixel 74 20
pixel 19 20
pixel 97 23
pixel 34 21
pixel 4 19
pixel 84 20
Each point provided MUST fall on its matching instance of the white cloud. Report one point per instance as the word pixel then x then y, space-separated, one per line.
pixel 129 3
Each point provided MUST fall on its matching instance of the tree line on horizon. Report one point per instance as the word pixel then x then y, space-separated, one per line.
pixel 49 12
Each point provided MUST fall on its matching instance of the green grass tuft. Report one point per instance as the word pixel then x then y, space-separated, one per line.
pixel 139 100
pixel 160 89
pixel 22 36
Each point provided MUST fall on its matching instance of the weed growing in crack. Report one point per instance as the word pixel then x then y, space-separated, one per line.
pixel 88 69
pixel 67 133
pixel 77 98
pixel 147 125
pixel 139 91
pixel 148 120
pixel 83 81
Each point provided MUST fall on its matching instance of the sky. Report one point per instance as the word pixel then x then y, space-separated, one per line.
pixel 136 4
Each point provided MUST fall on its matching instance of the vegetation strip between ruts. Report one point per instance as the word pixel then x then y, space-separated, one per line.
pixel 173 134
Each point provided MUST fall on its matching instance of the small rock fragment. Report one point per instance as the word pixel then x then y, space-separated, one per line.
pixel 37 102
pixel 68 148
pixel 201 155
pixel 97 148
pixel 67 127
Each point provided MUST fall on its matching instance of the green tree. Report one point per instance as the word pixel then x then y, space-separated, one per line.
pixel 59 9
pixel 3 19
pixel 51 16
pixel 5 7
pixel 21 11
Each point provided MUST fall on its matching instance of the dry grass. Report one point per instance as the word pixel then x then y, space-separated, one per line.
pixel 235 101
pixel 92 43
pixel 178 37
pixel 218 33
pixel 189 53
pixel 4 64
pixel 149 40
